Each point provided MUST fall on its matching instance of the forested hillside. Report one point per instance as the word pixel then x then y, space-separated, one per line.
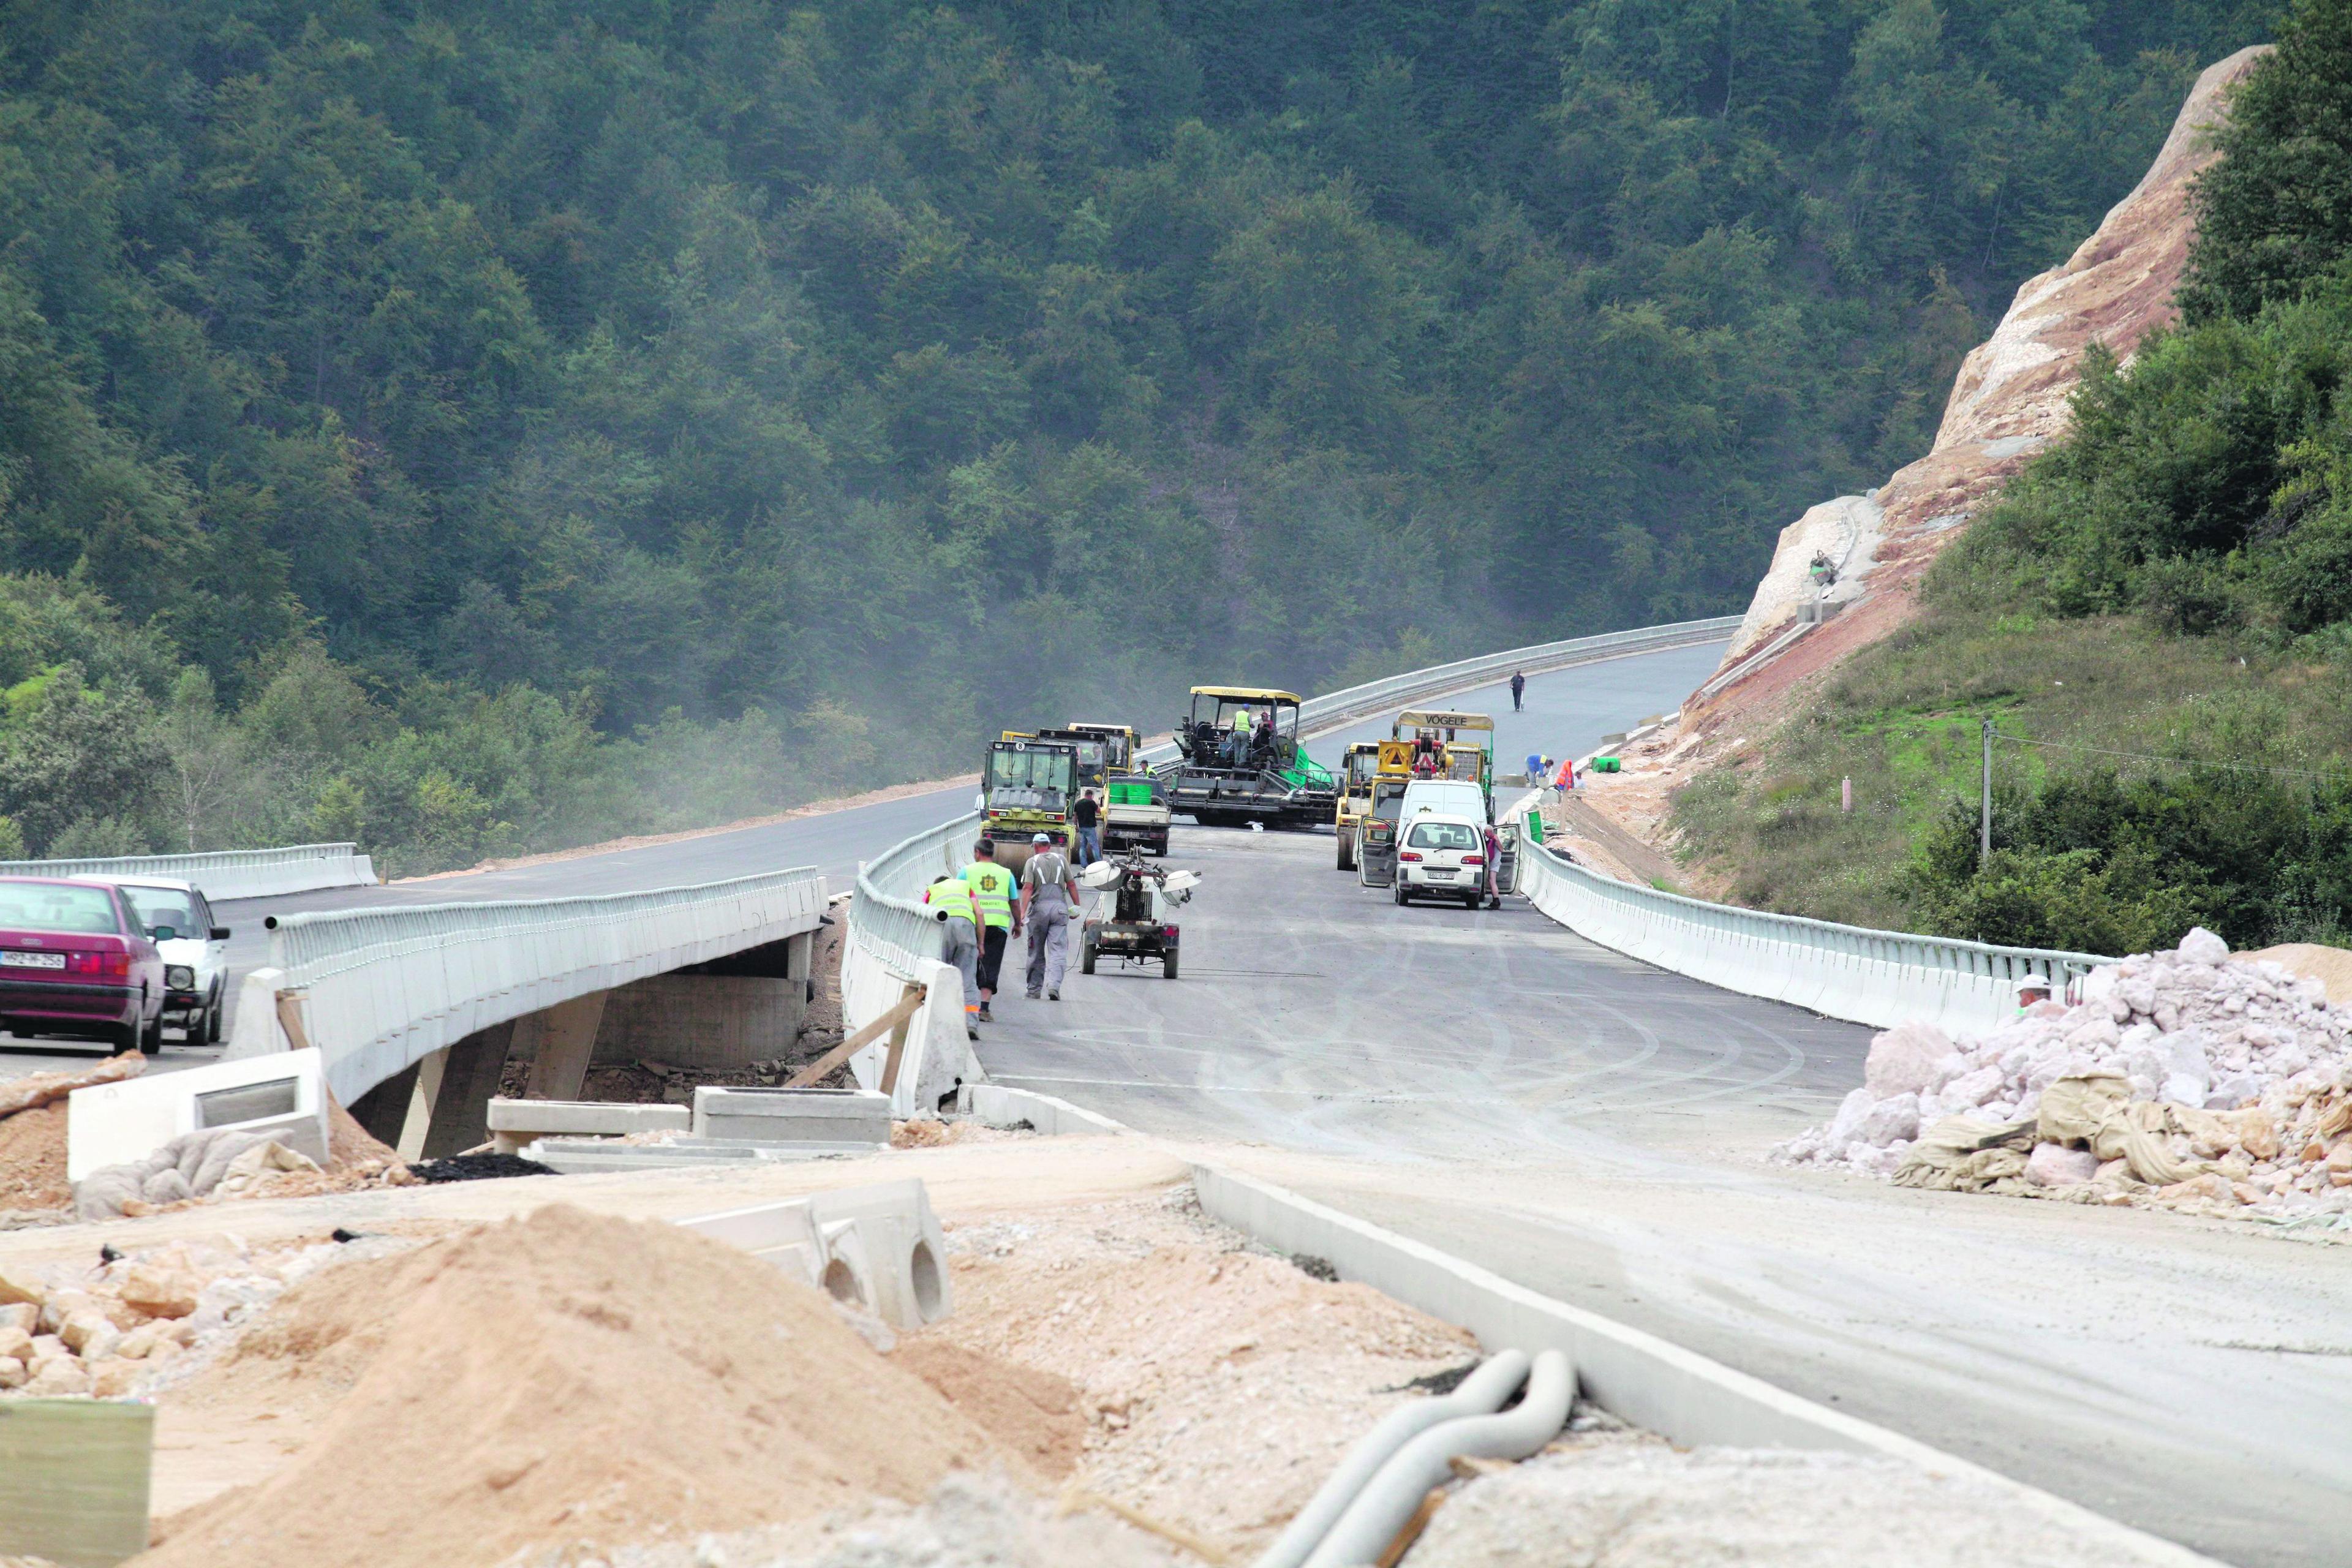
pixel 478 427
pixel 2158 615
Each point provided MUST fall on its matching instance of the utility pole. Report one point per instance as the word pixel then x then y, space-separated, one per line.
pixel 1984 818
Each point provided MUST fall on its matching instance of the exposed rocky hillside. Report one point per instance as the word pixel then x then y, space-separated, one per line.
pixel 2010 401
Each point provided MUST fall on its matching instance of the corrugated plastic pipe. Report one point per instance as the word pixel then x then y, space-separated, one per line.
pixel 1391 1496
pixel 1480 1393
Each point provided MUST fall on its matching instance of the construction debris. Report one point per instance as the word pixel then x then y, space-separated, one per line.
pixel 1640 1504
pixel 228 1162
pixel 35 1089
pixel 2179 1079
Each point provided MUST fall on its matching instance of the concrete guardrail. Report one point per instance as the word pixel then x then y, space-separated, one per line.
pixel 894 941
pixel 1877 977
pixel 380 988
pixel 223 875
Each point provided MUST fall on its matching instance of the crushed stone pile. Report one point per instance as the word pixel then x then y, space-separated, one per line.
pixel 552 1385
pixel 142 1321
pixel 2180 1079
pixel 1218 1383
pixel 1647 1506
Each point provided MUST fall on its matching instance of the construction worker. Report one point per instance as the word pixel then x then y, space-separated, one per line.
pixel 1049 897
pixel 1088 814
pixel 993 892
pixel 953 899
pixel 1518 688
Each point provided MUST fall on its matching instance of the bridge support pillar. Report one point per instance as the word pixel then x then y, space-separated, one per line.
pixel 449 1095
pixel 560 1040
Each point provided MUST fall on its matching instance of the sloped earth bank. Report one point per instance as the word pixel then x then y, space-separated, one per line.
pixel 2008 401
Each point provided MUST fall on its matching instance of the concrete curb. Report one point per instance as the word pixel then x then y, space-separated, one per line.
pixel 1685 1397
pixel 1000 1107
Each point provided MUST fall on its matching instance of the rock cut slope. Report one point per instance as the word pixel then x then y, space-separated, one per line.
pixel 2008 401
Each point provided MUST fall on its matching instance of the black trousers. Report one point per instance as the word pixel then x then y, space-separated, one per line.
pixel 992 956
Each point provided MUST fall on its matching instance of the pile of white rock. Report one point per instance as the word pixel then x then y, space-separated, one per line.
pixel 2186 1027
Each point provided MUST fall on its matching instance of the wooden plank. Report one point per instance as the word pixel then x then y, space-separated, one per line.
pixel 290 1018
pixel 897 1049
pixel 73 1479
pixel 906 1010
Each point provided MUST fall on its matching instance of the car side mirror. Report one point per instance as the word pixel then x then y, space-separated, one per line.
pixel 219 933
pixel 163 933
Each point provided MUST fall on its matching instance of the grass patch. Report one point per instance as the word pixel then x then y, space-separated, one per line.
pixel 1902 720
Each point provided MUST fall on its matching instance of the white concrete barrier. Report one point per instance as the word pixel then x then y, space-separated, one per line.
pixel 117 1123
pixel 226 874
pixel 894 941
pixel 384 987
pixel 1877 977
pixel 879 1247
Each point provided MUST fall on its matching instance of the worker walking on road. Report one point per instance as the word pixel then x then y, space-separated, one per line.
pixel 1088 814
pixel 1049 896
pixel 1518 688
pixel 992 892
pixel 953 899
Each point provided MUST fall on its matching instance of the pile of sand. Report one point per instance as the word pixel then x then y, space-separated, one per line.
pixel 556 1383
pixel 33 1132
pixel 1221 1383
pixel 33 1161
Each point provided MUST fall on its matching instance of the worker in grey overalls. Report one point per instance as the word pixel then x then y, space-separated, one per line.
pixel 1049 898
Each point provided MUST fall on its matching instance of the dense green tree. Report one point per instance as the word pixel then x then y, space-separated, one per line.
pixel 574 382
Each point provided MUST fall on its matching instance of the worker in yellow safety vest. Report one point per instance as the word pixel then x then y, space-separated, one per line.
pixel 993 889
pixel 950 900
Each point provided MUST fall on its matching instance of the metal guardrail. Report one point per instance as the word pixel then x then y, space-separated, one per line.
pixel 384 987
pixel 225 874
pixel 1336 707
pixel 1877 977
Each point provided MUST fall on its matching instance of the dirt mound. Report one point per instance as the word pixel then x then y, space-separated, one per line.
pixel 567 1380
pixel 2331 966
pixel 1170 1324
pixel 33 1160
pixel 1032 1413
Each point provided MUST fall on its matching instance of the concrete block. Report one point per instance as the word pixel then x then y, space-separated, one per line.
pixel 710 1022
pixel 793 1115
pixel 514 1122
pixel 572 1156
pixel 283 1094
pixel 879 1247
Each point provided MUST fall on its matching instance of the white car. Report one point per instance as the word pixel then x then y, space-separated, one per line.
pixel 195 950
pixel 1447 797
pixel 1441 855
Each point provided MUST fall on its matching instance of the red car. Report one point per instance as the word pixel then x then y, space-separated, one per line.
pixel 75 961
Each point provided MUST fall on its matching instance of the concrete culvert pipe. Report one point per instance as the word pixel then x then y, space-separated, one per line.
pixel 1389 1499
pixel 1480 1393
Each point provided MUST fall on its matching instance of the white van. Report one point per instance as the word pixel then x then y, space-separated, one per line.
pixel 1448 798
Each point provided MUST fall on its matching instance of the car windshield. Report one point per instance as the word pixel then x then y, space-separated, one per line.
pixel 164 907
pixel 1444 835
pixel 53 906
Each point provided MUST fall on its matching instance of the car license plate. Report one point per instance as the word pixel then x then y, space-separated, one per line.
pixel 1433 872
pixel 31 960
